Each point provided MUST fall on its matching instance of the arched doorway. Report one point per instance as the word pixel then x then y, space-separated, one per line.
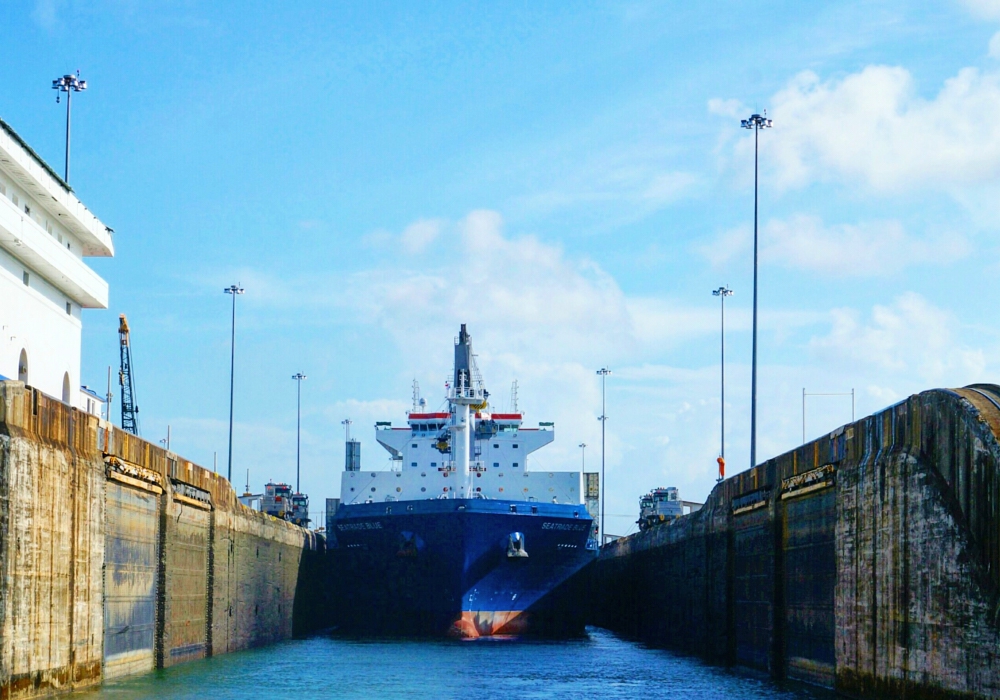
pixel 65 396
pixel 22 367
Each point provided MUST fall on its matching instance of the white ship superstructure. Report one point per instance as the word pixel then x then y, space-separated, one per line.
pixel 465 452
pixel 45 234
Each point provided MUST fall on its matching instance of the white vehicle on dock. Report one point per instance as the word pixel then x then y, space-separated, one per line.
pixel 658 506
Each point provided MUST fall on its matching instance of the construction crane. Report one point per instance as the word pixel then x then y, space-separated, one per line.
pixel 130 412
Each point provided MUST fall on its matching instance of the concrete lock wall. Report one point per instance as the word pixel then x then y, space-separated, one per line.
pixel 867 560
pixel 117 557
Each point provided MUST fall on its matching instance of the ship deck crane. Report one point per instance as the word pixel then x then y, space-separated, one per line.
pixel 130 411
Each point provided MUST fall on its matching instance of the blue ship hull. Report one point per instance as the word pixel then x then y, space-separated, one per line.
pixel 446 566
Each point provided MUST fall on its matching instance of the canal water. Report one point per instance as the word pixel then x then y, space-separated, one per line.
pixel 599 666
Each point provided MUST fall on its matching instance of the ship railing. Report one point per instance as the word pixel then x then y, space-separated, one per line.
pixel 475 391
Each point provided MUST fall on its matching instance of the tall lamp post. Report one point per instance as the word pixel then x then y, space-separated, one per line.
pixel 69 84
pixel 755 122
pixel 235 290
pixel 298 377
pixel 722 293
pixel 603 372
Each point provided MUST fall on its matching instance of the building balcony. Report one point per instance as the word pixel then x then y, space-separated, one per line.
pixel 49 190
pixel 26 240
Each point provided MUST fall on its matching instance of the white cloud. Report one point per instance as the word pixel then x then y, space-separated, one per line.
pixel 874 127
pixel 728 246
pixel 734 109
pixel 417 236
pixel 866 249
pixel 846 250
pixel 984 9
pixel 911 338
pixel 517 290
pixel 645 188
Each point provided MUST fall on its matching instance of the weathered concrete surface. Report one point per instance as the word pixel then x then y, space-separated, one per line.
pixel 117 557
pixel 867 561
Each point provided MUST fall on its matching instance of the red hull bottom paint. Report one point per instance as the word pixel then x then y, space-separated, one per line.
pixel 490 623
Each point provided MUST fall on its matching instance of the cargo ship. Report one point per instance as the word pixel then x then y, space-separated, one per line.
pixel 459 536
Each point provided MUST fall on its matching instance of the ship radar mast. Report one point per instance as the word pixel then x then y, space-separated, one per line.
pixel 466 391
pixel 416 396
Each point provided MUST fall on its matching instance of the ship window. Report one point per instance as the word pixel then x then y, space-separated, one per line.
pixel 14 198
pixel 373 489
pixel 434 464
pixel 496 447
pixel 69 308
pixel 414 444
pixel 496 464
pixel 25 277
pixel 413 464
pixel 516 465
pixel 423 488
pixel 27 210
pixel 515 445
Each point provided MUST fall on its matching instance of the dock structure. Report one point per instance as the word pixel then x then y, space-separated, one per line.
pixel 118 557
pixel 867 561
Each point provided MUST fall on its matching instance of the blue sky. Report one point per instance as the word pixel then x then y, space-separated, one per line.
pixel 569 179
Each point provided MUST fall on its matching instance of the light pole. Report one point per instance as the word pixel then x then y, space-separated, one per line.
pixel 755 122
pixel 583 457
pixel 604 372
pixel 722 293
pixel 298 377
pixel 347 429
pixel 233 289
pixel 69 84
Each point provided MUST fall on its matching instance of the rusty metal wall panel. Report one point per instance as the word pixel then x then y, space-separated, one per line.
pixel 753 588
pixel 809 548
pixel 131 558
pixel 186 593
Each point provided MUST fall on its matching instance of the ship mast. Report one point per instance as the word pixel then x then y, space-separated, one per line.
pixel 466 391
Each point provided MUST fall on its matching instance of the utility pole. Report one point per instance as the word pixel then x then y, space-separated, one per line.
pixel 298 377
pixel 755 122
pixel 603 372
pixel 722 293
pixel 69 84
pixel 235 290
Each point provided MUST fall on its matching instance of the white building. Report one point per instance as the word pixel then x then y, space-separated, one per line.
pixel 45 233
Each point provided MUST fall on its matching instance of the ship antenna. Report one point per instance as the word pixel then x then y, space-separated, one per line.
pixel 347 428
pixel 513 396
pixel 416 395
